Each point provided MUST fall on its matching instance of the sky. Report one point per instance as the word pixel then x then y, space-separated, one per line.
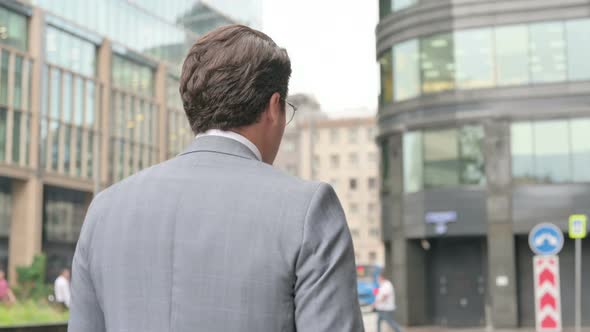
pixel 332 49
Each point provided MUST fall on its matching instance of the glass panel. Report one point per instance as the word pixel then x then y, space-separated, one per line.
pixel 3 114
pixel 552 150
pixel 522 152
pixel 4 78
pixel 67 98
pixel 54 132
pixel 78 170
pixel 55 93
pixel 386 65
pixel 441 158
pixel 407 72
pixel 70 52
pixel 472 158
pixel 16 134
pixel 90 95
pixel 580 138
pixel 13 29
pixel 18 82
pixel 67 147
pixel 413 162
pixel 547 46
pixel 512 55
pixel 90 155
pixel 402 4
pixel 474 59
pixel 438 68
pixel 79 102
pixel 578 51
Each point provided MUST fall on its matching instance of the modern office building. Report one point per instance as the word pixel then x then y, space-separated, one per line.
pixel 484 130
pixel 88 96
pixel 343 153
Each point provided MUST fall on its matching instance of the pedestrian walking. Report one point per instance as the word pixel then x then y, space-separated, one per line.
pixel 62 288
pixel 385 304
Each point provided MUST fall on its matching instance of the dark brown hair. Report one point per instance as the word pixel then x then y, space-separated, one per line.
pixel 229 76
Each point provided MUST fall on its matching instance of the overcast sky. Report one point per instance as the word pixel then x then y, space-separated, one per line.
pixel 332 48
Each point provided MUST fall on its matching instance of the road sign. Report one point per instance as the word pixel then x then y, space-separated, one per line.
pixel 547 293
pixel 578 226
pixel 546 239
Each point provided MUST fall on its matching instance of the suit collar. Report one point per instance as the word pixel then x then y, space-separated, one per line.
pixel 219 144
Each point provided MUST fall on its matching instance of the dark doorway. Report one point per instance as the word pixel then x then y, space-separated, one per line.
pixel 457 269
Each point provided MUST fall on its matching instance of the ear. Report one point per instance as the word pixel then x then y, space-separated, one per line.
pixel 274 109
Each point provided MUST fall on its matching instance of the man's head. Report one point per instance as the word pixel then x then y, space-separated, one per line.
pixel 65 273
pixel 236 78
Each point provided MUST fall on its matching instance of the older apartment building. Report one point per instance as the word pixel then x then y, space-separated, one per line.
pixel 343 153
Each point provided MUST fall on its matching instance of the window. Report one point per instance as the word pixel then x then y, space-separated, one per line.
pixel 353 184
pixel 372 183
pixel 512 55
pixel 316 162
pixel 354 208
pixel 551 151
pixel 353 134
pixel 474 59
pixel 551 146
pixel 386 69
pixel 353 159
pixel 578 49
pixel 443 158
pixel 374 232
pixel 371 209
pixel 413 162
pixel 13 29
pixel 335 161
pixel 355 232
pixel 402 4
pixel 384 8
pixel 334 135
pixel 407 70
pixel 438 65
pixel 133 76
pixel 547 52
pixel 71 52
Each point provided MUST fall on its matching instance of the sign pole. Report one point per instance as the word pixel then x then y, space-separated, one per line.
pixel 578 287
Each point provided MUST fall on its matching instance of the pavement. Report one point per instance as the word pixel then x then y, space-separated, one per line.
pixel 370 320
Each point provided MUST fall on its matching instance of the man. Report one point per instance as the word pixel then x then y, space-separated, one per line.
pixel 6 295
pixel 385 304
pixel 62 288
pixel 216 239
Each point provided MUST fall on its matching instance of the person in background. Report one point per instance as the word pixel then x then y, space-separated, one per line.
pixel 6 295
pixel 385 304
pixel 62 288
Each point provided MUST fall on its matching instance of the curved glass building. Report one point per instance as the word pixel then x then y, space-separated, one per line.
pixel 484 121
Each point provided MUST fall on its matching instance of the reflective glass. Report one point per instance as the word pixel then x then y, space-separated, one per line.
pixel 386 68
pixel 67 98
pixel 16 134
pixel 438 65
pixel 68 51
pixel 547 52
pixel 4 78
pixel 523 164
pixel 472 157
pixel 13 29
pixel 578 49
pixel 402 4
pixel 90 101
pixel 474 59
pixel 384 8
pixel 441 158
pixel 413 161
pixel 580 138
pixel 407 70
pixel 512 55
pixel 3 151
pixel 55 93
pixel 79 101
pixel 18 82
pixel 552 151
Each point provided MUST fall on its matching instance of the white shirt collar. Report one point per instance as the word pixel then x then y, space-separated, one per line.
pixel 236 137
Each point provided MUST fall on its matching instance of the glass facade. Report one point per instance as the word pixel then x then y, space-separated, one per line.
pixel 179 131
pixel 388 6
pixel 132 76
pixel 70 100
pixel 537 53
pixel 407 75
pixel 556 151
pixel 443 158
pixel 63 215
pixel 13 29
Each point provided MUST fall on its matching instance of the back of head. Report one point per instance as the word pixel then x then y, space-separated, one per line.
pixel 229 76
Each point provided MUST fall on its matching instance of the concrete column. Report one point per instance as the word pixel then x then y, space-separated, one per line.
pixel 27 195
pixel 104 77
pixel 501 252
pixel 160 93
pixel 26 228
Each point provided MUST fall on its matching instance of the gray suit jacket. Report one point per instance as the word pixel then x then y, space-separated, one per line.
pixel 214 240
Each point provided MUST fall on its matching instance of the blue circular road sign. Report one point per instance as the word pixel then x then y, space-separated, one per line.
pixel 546 239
